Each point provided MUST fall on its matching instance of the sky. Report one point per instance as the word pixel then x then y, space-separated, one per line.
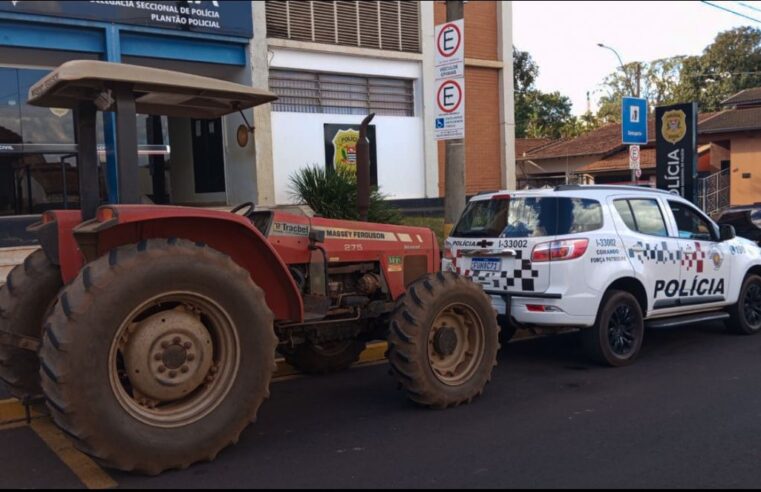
pixel 562 37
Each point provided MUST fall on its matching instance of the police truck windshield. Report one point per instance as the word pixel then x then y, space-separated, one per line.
pixel 522 217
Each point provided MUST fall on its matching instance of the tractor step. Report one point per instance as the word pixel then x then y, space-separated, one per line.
pixel 687 320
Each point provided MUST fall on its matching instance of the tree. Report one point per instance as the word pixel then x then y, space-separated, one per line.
pixel 549 112
pixel 656 81
pixel 525 72
pixel 537 114
pixel 728 65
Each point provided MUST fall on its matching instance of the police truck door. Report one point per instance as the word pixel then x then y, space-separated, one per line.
pixel 654 255
pixel 705 261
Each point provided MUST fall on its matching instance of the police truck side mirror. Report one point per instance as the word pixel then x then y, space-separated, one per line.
pixel 726 232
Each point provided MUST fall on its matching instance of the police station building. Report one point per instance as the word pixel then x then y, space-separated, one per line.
pixel 330 63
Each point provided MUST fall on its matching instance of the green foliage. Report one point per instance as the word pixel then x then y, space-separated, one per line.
pixel 333 194
pixel 537 114
pixel 728 65
pixel 549 113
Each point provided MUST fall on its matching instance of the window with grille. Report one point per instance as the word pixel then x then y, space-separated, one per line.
pixel 314 92
pixel 386 24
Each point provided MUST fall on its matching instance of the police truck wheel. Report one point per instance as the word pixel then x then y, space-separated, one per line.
pixel 29 290
pixel 443 340
pixel 158 355
pixel 324 358
pixel 745 316
pixel 616 337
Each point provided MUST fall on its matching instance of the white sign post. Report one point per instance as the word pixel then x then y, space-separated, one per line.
pixel 450 80
pixel 634 157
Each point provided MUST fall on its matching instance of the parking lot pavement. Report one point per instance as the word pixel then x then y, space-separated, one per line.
pixel 686 414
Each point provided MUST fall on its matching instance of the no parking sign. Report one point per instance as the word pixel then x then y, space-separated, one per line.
pixel 450 80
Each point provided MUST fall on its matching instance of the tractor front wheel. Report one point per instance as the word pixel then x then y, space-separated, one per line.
pixel 158 355
pixel 443 340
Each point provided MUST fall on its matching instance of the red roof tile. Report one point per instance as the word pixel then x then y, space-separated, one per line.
pixel 732 120
pixel 747 96
pixel 524 145
pixel 600 141
pixel 620 161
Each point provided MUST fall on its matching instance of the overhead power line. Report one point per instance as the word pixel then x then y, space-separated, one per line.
pixel 748 6
pixel 731 11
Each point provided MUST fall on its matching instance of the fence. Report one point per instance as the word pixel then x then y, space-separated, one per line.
pixel 713 192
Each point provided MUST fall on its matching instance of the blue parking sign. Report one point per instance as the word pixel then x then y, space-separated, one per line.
pixel 633 121
pixel 439 122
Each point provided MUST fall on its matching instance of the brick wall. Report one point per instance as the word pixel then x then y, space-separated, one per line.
pixel 482 149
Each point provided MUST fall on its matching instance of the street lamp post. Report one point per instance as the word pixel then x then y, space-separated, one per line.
pixel 634 90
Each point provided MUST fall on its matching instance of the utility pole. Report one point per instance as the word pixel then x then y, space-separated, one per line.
pixel 454 165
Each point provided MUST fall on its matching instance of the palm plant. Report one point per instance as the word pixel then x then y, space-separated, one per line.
pixel 333 194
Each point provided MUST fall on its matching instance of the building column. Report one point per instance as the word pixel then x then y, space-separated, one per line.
pixel 427 97
pixel 506 94
pixel 265 178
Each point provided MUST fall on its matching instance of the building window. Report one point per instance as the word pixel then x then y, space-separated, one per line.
pixel 386 24
pixel 313 92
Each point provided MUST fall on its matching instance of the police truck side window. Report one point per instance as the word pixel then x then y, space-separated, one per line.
pixel 622 206
pixel 577 215
pixel 691 225
pixel 643 216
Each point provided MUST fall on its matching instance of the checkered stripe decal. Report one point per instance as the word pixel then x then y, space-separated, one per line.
pixel 660 253
pixel 695 260
pixel 518 279
pixel 655 252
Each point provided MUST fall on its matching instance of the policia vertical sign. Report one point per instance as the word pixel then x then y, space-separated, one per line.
pixel 675 148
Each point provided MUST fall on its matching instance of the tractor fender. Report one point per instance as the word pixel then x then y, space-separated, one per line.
pixel 231 234
pixel 54 233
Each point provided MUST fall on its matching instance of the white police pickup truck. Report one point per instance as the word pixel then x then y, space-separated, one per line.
pixel 608 259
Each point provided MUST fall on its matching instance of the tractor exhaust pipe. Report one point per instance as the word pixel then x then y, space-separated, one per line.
pixel 363 169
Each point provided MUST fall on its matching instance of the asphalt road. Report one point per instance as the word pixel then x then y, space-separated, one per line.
pixel 687 414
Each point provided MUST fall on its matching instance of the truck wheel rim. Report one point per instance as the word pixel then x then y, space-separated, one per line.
pixel 456 344
pixel 752 305
pixel 622 330
pixel 174 359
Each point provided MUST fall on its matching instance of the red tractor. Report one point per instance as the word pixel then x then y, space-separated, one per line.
pixel 152 330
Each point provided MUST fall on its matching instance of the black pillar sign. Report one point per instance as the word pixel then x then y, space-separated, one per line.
pixel 675 149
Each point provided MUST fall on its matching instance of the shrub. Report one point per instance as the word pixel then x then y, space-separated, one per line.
pixel 333 194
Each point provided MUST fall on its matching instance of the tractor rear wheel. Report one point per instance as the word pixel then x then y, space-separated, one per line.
pixel 443 340
pixel 158 355
pixel 325 358
pixel 29 290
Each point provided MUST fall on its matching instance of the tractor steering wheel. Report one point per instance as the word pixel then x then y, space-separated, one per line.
pixel 248 206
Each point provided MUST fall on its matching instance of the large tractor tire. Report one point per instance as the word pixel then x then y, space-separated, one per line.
pixel 443 340
pixel 29 290
pixel 324 358
pixel 158 355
